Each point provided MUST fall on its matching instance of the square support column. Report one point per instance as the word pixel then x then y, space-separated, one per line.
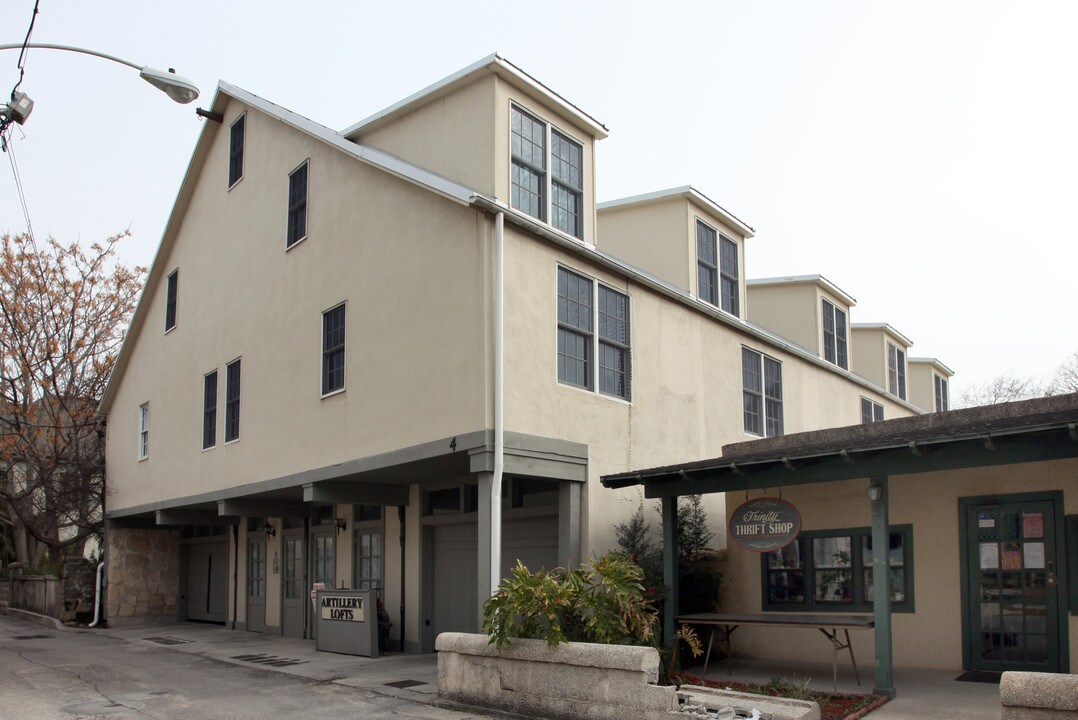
pixel 484 590
pixel 881 587
pixel 670 570
pixel 569 524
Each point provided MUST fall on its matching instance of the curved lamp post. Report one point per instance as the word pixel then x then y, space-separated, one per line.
pixel 175 86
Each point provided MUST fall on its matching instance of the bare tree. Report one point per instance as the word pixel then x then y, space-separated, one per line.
pixel 1003 388
pixel 1066 378
pixel 63 314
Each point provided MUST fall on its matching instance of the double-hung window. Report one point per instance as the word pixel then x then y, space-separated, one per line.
pixel 942 401
pixel 235 150
pixel 333 350
pixel 896 371
pixel 871 411
pixel 297 204
pixel 762 390
pixel 831 570
pixel 835 346
pixel 232 401
pixel 209 410
pixel 171 297
pixel 529 139
pixel 578 343
pixel 144 431
pixel 716 269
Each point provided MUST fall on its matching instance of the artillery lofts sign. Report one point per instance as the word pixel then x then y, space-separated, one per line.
pixel 765 524
pixel 342 607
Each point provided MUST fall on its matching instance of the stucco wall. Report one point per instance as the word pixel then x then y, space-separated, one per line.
pixel 930 637
pixel 651 237
pixel 789 309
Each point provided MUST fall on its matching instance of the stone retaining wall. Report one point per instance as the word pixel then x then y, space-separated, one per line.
pixel 143 575
pixel 1038 696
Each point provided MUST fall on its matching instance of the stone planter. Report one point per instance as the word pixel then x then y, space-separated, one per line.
pixel 581 681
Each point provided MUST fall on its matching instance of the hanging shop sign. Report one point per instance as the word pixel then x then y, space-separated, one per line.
pixel 764 524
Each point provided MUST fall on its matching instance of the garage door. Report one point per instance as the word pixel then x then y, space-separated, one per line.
pixel 207 582
pixel 456 562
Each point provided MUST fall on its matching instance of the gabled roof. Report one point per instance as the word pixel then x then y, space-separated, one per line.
pixel 492 64
pixel 814 279
pixel 688 192
pixel 371 156
pixel 886 328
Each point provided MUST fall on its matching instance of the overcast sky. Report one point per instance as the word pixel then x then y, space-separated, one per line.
pixel 923 156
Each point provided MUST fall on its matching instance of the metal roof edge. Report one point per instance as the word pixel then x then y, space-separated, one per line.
pixel 817 279
pixel 688 192
pixel 882 326
pixel 934 361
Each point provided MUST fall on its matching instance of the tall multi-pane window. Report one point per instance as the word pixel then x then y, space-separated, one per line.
pixel 761 378
pixel 567 184
pixel 942 401
pixel 297 204
pixel 530 139
pixel 235 150
pixel 835 345
pixel 588 359
pixel 209 410
pixel 256 569
pixel 896 371
pixel 728 276
pixel 871 411
pixel 144 431
pixel 232 401
pixel 528 181
pixel 333 350
pixel 171 297
pixel 574 329
pixel 707 263
pixel 613 343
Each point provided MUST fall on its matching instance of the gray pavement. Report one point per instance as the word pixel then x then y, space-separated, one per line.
pixel 185 659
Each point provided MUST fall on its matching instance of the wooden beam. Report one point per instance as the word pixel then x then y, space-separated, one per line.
pixel 355 493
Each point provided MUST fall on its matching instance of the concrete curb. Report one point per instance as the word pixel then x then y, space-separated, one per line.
pixel 45 620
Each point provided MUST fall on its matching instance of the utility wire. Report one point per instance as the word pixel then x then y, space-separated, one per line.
pixel 18 186
pixel 22 53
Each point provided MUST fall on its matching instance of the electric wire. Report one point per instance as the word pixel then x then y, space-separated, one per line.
pixel 22 53
pixel 19 188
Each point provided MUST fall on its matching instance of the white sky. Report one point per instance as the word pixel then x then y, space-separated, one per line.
pixel 923 156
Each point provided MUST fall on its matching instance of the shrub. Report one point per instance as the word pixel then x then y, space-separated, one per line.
pixel 601 602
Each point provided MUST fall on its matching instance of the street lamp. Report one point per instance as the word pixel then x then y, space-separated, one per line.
pixel 175 86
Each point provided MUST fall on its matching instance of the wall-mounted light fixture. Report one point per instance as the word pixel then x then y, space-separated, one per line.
pixel 875 492
pixel 342 524
pixel 271 531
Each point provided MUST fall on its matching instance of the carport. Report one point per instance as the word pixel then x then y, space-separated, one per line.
pixel 1014 434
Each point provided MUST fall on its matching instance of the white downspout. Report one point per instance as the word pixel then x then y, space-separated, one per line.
pixel 499 405
pixel 97 596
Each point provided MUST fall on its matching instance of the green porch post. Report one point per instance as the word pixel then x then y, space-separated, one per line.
pixel 670 574
pixel 881 587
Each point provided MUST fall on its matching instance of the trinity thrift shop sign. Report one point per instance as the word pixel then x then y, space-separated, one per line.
pixel 342 607
pixel 765 524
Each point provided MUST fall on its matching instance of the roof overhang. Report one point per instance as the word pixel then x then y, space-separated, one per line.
pixel 935 363
pixel 689 193
pixel 885 328
pixel 817 280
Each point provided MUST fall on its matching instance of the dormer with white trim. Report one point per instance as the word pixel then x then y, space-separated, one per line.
pixel 930 382
pixel 683 237
pixel 880 356
pixel 494 128
pixel 810 310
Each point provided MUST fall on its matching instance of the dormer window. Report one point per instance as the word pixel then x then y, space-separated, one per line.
pixel 834 336
pixel 531 185
pixel 896 371
pixel 716 269
pixel 942 400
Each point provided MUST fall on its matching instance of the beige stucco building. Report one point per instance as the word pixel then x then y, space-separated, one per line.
pixel 349 341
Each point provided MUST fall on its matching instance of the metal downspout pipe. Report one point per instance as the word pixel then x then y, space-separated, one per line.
pixel 499 404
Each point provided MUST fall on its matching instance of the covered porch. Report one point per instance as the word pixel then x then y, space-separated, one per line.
pixel 972 506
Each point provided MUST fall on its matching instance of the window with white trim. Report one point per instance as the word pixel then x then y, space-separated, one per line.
pixel 171 298
pixel 232 401
pixel 144 431
pixel 896 371
pixel 297 204
pixel 556 197
pixel 762 391
pixel 716 269
pixel 209 410
pixel 871 411
pixel 333 350
pixel 942 399
pixel 581 304
pixel 835 345
pixel 235 150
